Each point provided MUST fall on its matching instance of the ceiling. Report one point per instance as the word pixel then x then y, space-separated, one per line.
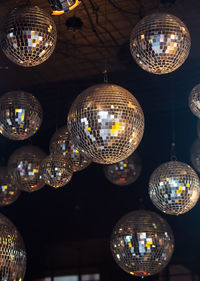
pixel 83 51
pixel 68 229
pixel 103 37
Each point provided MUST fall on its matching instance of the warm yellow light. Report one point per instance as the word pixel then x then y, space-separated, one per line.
pixel 75 5
pixel 61 12
pixel 57 13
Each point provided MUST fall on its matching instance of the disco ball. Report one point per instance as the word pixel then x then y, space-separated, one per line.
pixel 124 172
pixel 24 168
pixel 194 100
pixel 142 243
pixel 56 170
pixel 195 155
pixel 61 143
pixel 106 123
pixel 13 254
pixel 160 43
pixel 9 192
pixel 29 36
pixel 174 188
pixel 20 115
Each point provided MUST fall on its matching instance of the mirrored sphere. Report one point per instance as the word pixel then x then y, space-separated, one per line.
pixel 56 170
pixel 28 36
pixel 106 123
pixel 20 115
pixel 142 243
pixel 9 192
pixel 124 172
pixel 194 100
pixel 174 188
pixel 61 143
pixel 24 168
pixel 13 254
pixel 160 43
pixel 195 155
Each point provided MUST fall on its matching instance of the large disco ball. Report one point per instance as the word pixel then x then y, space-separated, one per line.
pixel 174 188
pixel 194 100
pixel 142 243
pixel 61 143
pixel 195 155
pixel 124 172
pixel 20 115
pixel 24 168
pixel 160 43
pixel 28 36
pixel 56 170
pixel 13 254
pixel 9 192
pixel 106 123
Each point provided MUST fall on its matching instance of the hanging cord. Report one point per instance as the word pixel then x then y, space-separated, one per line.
pixel 57 109
pixel 141 202
pixel 105 72
pixel 165 6
pixel 173 152
pixel 173 156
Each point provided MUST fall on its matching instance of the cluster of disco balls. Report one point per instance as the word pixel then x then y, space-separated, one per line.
pixel 105 125
pixel 20 118
pixel 160 43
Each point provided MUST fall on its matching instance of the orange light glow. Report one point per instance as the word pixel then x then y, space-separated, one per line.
pixel 57 13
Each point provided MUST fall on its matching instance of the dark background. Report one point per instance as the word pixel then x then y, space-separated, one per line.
pixel 67 230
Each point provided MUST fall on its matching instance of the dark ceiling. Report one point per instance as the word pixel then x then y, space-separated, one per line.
pixel 68 229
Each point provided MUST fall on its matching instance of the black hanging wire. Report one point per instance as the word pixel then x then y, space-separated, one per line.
pixel 173 156
pixel 105 72
pixel 165 5
pixel 57 96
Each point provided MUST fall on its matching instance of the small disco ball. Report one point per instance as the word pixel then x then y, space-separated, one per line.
pixel 29 36
pixel 56 170
pixel 124 172
pixel 195 155
pixel 24 168
pixel 13 253
pixel 142 243
pixel 160 43
pixel 174 188
pixel 61 144
pixel 9 192
pixel 194 100
pixel 106 123
pixel 20 115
